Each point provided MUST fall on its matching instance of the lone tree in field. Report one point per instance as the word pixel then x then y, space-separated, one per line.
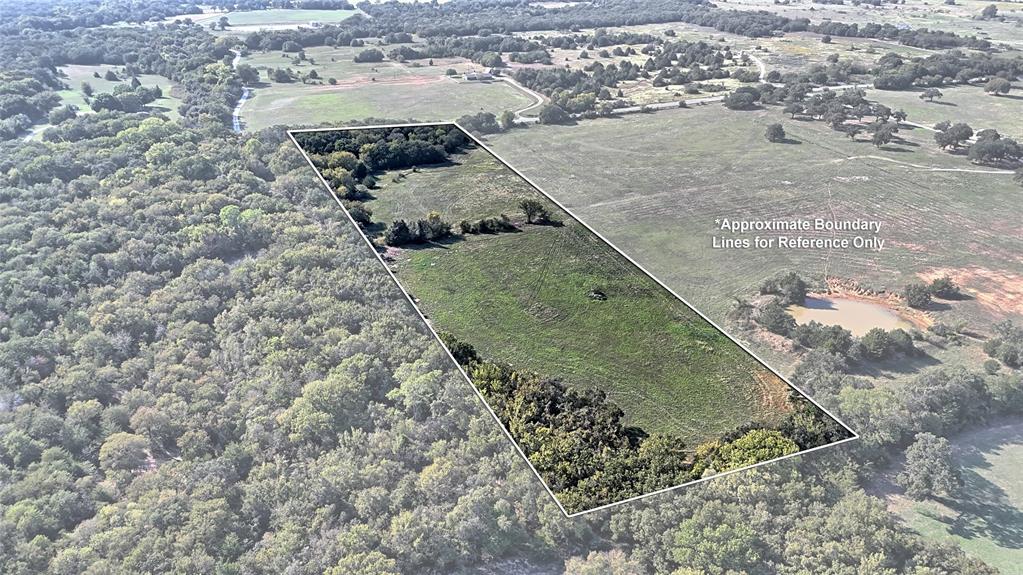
pixel 930 94
pixel 930 469
pixel 506 120
pixel 998 86
pixel 917 295
pixel 990 11
pixel 775 133
pixel 534 209
pixel 883 133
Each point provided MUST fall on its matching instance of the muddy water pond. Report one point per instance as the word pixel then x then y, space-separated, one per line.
pixel 857 316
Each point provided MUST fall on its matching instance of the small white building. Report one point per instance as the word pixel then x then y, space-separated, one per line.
pixel 474 76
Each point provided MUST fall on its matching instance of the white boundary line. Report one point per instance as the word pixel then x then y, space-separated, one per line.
pixel 429 326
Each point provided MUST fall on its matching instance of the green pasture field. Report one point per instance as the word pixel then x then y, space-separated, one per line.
pixel 655 184
pixel 522 298
pixel 987 519
pixel 968 104
pixel 76 74
pixel 378 90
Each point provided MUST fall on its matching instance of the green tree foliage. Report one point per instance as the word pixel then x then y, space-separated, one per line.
pixel 369 55
pixel 744 98
pixel 917 295
pixel 553 114
pixel 952 135
pixel 775 133
pixel 789 287
pixel 481 123
pixel 930 469
pixel 773 317
pixel 944 288
pixel 123 452
pixel 534 210
pixel 1007 344
pixel 164 359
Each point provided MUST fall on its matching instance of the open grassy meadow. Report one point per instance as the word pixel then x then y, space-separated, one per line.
pixel 76 74
pixel 243 21
pixel 654 184
pixel 968 104
pixel 370 90
pixel 522 298
pixel 987 520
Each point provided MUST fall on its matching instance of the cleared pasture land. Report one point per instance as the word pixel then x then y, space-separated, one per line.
pixel 987 520
pixel 76 74
pixel 654 184
pixel 968 104
pixel 522 298
pixel 273 18
pixel 370 90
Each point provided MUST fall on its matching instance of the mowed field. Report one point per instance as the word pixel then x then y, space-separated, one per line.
pixel 969 104
pixel 522 298
pixel 987 519
pixel 370 90
pixel 655 184
pixel 76 74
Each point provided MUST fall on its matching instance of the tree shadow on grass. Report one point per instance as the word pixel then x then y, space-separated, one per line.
pixel 788 140
pixel 902 365
pixel 983 509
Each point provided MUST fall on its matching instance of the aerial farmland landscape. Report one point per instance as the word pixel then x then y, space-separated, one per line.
pixel 484 286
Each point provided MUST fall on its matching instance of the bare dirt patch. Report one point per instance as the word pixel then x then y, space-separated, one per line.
pixel 998 291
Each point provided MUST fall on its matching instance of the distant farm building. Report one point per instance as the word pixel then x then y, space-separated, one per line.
pixel 475 76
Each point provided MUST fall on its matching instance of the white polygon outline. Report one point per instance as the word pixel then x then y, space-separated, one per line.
pixel 411 301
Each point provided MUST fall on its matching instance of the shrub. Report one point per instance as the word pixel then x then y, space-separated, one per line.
pixel 944 288
pixel 774 318
pixel 790 288
pixel 775 133
pixel 917 295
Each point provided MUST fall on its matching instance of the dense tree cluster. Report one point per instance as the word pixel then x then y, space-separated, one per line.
pixel 986 147
pixel 432 228
pixel 204 371
pixel 789 287
pixel 930 470
pixel 188 55
pixel 1007 344
pixel 895 72
pixel 480 49
pixel 26 97
pixel 70 14
pixel 578 441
